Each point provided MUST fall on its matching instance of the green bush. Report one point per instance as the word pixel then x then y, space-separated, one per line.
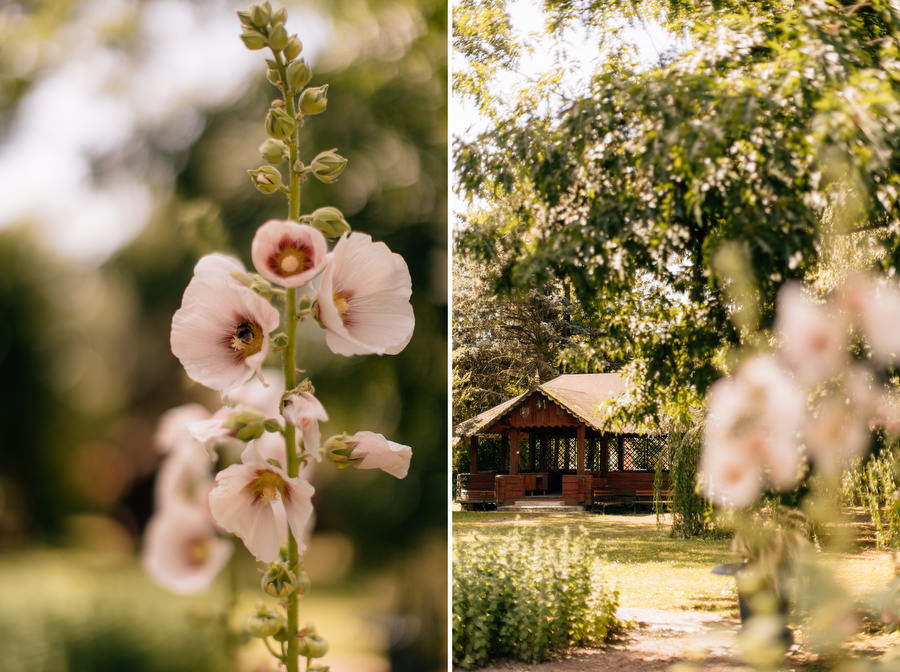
pixel 526 596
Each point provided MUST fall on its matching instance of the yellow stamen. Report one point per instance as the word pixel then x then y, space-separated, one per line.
pixel 247 339
pixel 197 552
pixel 267 486
pixel 341 304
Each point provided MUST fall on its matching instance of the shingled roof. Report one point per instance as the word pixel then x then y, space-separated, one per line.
pixel 581 394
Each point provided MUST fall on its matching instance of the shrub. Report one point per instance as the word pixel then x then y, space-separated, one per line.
pixel 527 595
pixel 690 512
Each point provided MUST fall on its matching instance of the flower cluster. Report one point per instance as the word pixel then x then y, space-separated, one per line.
pixel 244 470
pixel 812 402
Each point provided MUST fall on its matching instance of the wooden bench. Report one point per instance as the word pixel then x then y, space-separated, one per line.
pixel 646 498
pixel 604 497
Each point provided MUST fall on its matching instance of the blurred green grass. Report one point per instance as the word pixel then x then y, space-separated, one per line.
pixel 87 611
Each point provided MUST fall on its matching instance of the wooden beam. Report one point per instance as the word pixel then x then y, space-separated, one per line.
pixel 514 451
pixel 580 452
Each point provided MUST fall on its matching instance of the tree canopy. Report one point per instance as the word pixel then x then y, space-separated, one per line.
pixel 677 197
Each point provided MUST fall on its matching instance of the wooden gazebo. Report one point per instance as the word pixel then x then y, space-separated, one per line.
pixel 555 443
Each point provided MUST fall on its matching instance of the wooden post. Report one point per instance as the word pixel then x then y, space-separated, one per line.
pixel 514 451
pixel 504 449
pixel 604 454
pixel 580 452
pixel 473 454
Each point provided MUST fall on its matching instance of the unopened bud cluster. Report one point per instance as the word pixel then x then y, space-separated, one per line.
pixel 263 27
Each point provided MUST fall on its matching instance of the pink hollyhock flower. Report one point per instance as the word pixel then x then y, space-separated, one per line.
pixel 184 479
pixel 287 253
pixel 245 497
pixel 750 436
pixel 181 550
pixel 837 432
pixel 814 339
pixel 264 397
pixel 373 451
pixel 212 432
pixel 875 308
pixel 363 298
pixel 305 412
pixel 173 429
pixel 221 332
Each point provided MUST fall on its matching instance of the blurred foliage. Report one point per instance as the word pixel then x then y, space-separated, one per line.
pixel 873 483
pixel 88 348
pixel 773 131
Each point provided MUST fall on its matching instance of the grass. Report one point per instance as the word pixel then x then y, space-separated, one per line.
pixel 651 569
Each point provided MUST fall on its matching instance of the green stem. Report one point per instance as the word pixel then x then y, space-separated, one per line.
pixel 292 661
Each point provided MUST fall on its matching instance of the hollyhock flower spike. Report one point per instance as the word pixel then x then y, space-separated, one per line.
pixel 287 253
pixel 244 498
pixel 363 298
pixel 221 332
pixel 181 550
pixel 303 410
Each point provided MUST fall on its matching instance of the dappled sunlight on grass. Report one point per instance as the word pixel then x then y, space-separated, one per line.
pixel 647 566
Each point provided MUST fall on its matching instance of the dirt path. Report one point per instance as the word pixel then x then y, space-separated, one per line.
pixel 654 640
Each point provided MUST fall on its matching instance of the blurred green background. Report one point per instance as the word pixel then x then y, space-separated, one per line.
pixel 126 130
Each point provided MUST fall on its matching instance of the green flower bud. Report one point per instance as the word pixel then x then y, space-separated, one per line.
pixel 273 76
pixel 279 123
pixel 260 15
pixel 271 424
pixel 265 623
pixel 280 16
pixel 327 166
pixel 246 424
pixel 279 581
pixel 303 582
pixel 278 37
pixel 338 451
pixel 266 178
pixel 253 39
pixel 274 151
pixel 312 646
pixel 246 19
pixel 298 74
pixel 314 100
pixel 293 48
pixel 330 221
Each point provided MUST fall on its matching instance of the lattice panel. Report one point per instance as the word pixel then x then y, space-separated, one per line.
pixel 593 449
pixel 641 453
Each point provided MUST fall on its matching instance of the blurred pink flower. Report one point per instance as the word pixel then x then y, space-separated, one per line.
pixel 212 433
pixel 181 550
pixel 375 452
pixel 305 412
pixel 264 397
pixel 173 428
pixel 221 332
pixel 245 498
pixel 814 339
pixel 751 434
pixel 184 479
pixel 363 298
pixel 835 433
pixel 875 308
pixel 287 253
